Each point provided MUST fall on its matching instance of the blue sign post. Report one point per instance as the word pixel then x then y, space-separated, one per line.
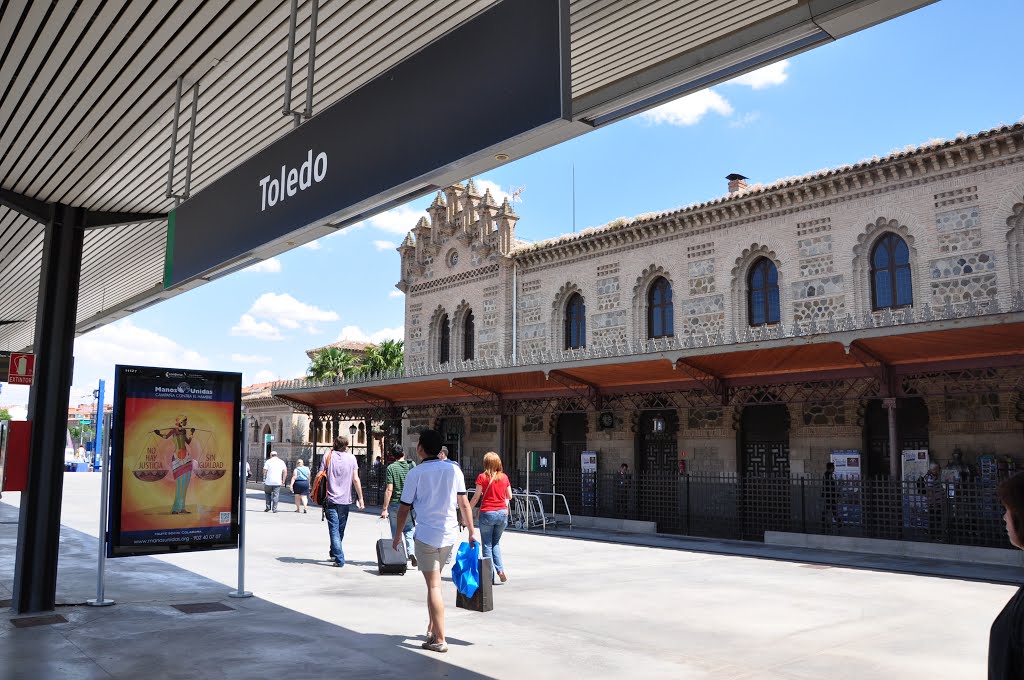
pixel 97 449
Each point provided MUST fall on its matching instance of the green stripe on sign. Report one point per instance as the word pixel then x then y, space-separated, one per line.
pixel 169 255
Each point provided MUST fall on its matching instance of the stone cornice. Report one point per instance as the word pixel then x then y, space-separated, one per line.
pixel 898 171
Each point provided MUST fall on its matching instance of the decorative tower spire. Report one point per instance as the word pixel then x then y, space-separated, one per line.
pixel 507 219
pixel 438 212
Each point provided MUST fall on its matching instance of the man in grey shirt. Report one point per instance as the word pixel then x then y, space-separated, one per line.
pixel 342 477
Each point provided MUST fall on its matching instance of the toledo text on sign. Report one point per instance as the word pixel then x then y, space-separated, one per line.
pixel 293 181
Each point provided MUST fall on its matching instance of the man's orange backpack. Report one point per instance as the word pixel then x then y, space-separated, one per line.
pixel 318 494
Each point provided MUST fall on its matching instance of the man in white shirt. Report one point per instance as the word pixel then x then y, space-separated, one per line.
pixel 274 472
pixel 436 489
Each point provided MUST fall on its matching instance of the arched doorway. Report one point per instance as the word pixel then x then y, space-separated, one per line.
pixel 911 432
pixel 267 445
pixel 452 430
pixel 764 432
pixel 657 459
pixel 570 443
pixel 764 443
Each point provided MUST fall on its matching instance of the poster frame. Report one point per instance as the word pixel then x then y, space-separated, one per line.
pixel 122 376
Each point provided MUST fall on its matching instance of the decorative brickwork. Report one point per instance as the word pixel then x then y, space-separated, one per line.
pixel 972 407
pixel 700 250
pixel 955 196
pixel 831 413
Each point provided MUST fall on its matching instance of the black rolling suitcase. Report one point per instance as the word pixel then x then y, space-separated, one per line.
pixel 389 560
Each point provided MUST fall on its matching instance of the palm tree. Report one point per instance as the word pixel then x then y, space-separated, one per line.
pixel 387 357
pixel 331 362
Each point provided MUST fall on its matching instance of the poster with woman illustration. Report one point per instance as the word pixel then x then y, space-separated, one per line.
pixel 175 461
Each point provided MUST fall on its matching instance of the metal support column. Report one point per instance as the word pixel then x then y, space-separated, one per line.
pixel 35 571
pixel 894 452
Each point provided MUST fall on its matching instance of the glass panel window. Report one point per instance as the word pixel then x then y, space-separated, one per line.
pixel 468 337
pixel 444 354
pixel 660 319
pixel 575 322
pixel 891 278
pixel 763 293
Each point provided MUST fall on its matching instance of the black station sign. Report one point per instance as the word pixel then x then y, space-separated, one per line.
pixel 492 81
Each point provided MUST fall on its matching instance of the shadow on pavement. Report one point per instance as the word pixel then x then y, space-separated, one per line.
pixel 143 635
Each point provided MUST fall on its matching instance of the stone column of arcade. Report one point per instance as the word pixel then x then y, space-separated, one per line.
pixel 35 572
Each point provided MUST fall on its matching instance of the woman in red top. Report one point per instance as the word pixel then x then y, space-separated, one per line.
pixel 493 492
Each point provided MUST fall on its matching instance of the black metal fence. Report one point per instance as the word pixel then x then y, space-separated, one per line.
pixel 738 507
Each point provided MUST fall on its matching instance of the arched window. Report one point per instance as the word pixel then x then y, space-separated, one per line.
pixel 468 337
pixel 763 293
pixel 659 309
pixel 444 356
pixel 280 430
pixel 575 322
pixel 313 438
pixel 361 434
pixel 256 432
pixel 891 286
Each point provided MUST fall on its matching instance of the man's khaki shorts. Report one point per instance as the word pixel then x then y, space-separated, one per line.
pixel 430 558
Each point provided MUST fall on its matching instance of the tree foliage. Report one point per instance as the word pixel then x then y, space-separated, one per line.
pixel 387 357
pixel 5 414
pixel 332 363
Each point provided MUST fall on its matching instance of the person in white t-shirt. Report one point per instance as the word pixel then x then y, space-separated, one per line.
pixel 435 488
pixel 274 472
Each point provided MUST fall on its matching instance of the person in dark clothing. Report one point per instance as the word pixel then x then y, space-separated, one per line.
pixel 830 499
pixel 1006 638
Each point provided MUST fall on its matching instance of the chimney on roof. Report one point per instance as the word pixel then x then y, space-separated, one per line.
pixel 736 183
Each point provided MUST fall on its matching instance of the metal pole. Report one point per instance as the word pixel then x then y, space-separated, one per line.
pixel 101 559
pixel 98 450
pixel 242 488
pixel 894 453
pixel 312 60
pixel 191 140
pixel 174 138
pixel 291 60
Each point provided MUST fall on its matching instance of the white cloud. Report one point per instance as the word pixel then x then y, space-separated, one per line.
pixel 288 312
pixel 356 333
pixel 130 344
pixel 766 76
pixel 399 220
pixel 384 245
pixel 395 294
pixel 269 266
pixel 745 120
pixel 249 327
pixel 250 359
pixel 263 376
pixel 689 110
pixel 497 192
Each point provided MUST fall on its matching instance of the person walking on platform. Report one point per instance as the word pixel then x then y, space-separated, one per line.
pixel 1006 637
pixel 435 488
pixel 274 473
pixel 395 479
pixel 300 485
pixel 342 477
pixel 493 492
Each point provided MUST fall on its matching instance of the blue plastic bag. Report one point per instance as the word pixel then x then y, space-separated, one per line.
pixel 466 569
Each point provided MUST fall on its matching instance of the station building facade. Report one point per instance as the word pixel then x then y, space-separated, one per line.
pixel 871 310
pixel 925 235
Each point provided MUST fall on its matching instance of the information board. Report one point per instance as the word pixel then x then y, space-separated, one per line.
pixel 175 461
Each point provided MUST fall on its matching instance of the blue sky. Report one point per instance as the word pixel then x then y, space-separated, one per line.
pixel 930 74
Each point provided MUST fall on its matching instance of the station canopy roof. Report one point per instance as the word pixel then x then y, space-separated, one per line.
pixel 964 344
pixel 88 93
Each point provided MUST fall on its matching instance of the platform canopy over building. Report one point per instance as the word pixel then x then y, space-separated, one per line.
pixel 149 147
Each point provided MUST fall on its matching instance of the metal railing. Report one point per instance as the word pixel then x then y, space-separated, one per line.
pixel 743 507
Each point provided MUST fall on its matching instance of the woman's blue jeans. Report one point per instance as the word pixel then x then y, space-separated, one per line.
pixel 492 526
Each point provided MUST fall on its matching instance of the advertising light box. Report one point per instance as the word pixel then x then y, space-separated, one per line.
pixel 175 461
